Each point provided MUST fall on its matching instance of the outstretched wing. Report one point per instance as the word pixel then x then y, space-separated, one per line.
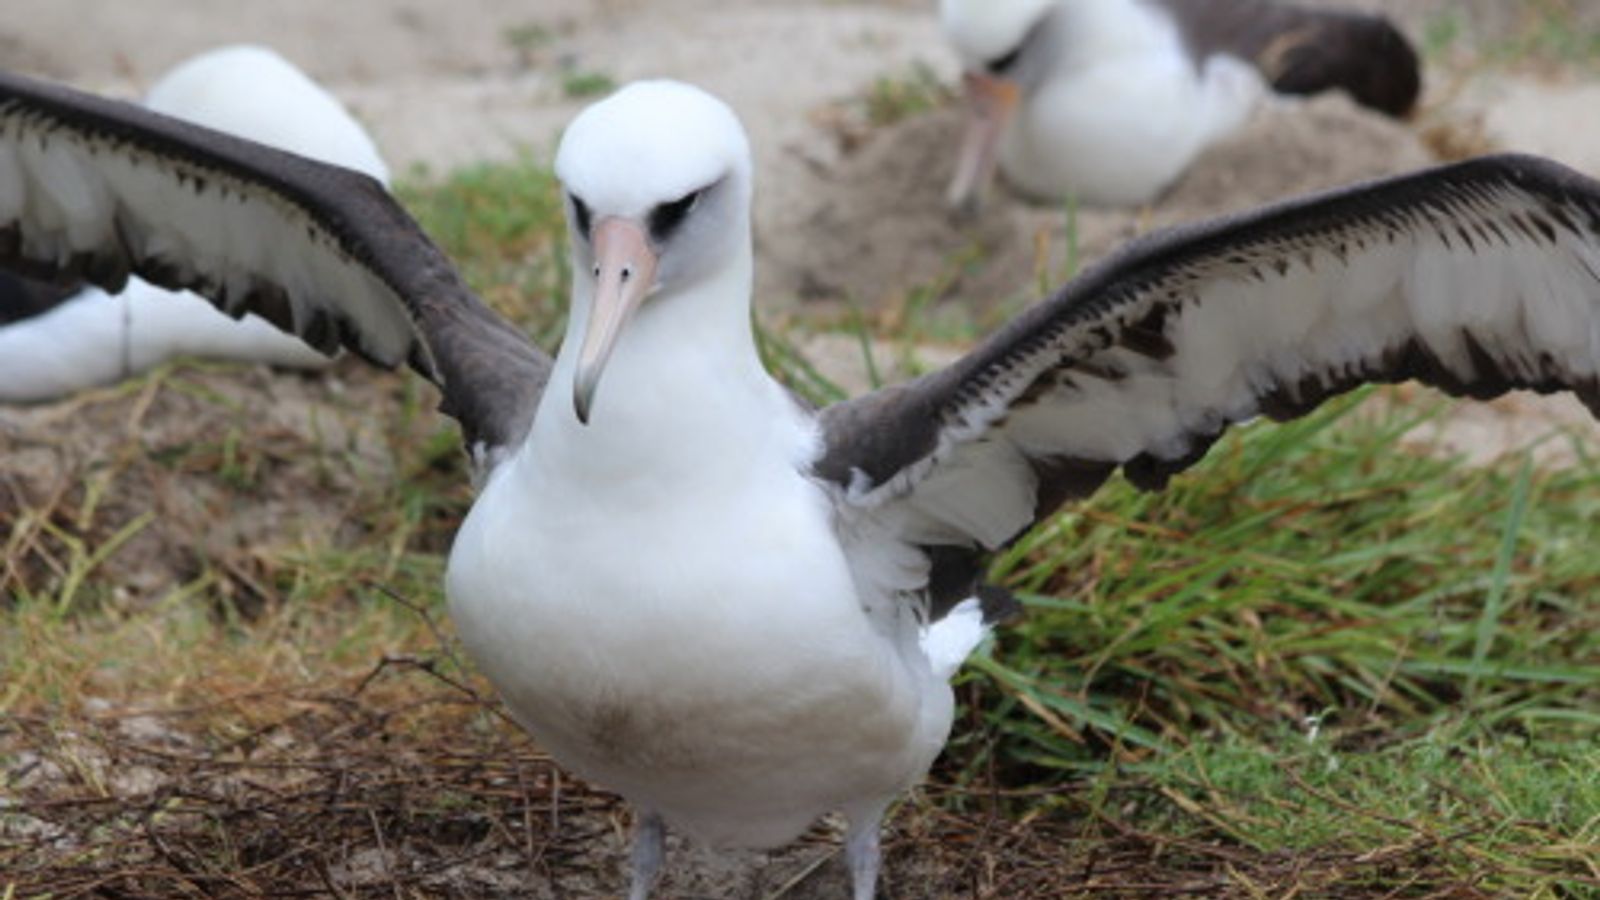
pixel 1307 50
pixel 1475 278
pixel 97 190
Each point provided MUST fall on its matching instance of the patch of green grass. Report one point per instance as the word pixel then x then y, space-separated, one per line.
pixel 577 84
pixel 503 224
pixel 528 38
pixel 1441 34
pixel 1436 625
pixel 793 369
pixel 1307 568
pixel 1298 790
pixel 1550 31
pixel 1543 33
pixel 896 97
pixel 1522 816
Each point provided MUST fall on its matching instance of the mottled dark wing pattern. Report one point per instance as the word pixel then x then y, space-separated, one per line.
pixel 23 298
pixel 1475 278
pixel 1307 50
pixel 97 190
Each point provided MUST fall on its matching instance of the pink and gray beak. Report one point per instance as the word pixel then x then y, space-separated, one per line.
pixel 624 272
pixel 991 102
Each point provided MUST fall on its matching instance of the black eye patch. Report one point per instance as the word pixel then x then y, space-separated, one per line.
pixel 666 217
pixel 1038 33
pixel 999 65
pixel 580 214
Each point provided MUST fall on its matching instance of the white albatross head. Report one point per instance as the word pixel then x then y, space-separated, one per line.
pixel 985 31
pixel 1004 47
pixel 658 186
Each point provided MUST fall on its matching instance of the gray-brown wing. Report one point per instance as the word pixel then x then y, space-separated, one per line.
pixel 1475 278
pixel 95 189
pixel 1307 50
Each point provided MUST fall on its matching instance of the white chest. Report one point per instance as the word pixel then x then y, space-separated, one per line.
pixel 664 648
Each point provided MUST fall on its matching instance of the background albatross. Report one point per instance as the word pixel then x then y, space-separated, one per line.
pixel 1111 100
pixel 739 612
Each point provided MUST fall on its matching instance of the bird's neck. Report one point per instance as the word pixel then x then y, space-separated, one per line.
pixel 683 397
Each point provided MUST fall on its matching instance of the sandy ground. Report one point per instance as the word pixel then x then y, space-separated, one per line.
pixel 844 215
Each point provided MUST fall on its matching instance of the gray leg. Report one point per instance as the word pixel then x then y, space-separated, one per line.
pixel 649 850
pixel 862 853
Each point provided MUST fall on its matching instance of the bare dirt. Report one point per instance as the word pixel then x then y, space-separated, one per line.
pixel 846 217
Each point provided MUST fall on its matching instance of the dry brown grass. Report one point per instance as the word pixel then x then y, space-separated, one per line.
pixel 403 781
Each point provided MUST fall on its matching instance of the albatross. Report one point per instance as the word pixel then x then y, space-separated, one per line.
pixel 59 338
pixel 1111 100
pixel 737 611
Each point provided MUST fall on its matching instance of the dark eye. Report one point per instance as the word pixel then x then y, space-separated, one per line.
pixel 580 214
pixel 666 218
pixel 999 65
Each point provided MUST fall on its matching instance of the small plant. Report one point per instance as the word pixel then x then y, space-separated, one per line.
pixel 527 40
pixel 894 98
pixel 1441 34
pixel 578 84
